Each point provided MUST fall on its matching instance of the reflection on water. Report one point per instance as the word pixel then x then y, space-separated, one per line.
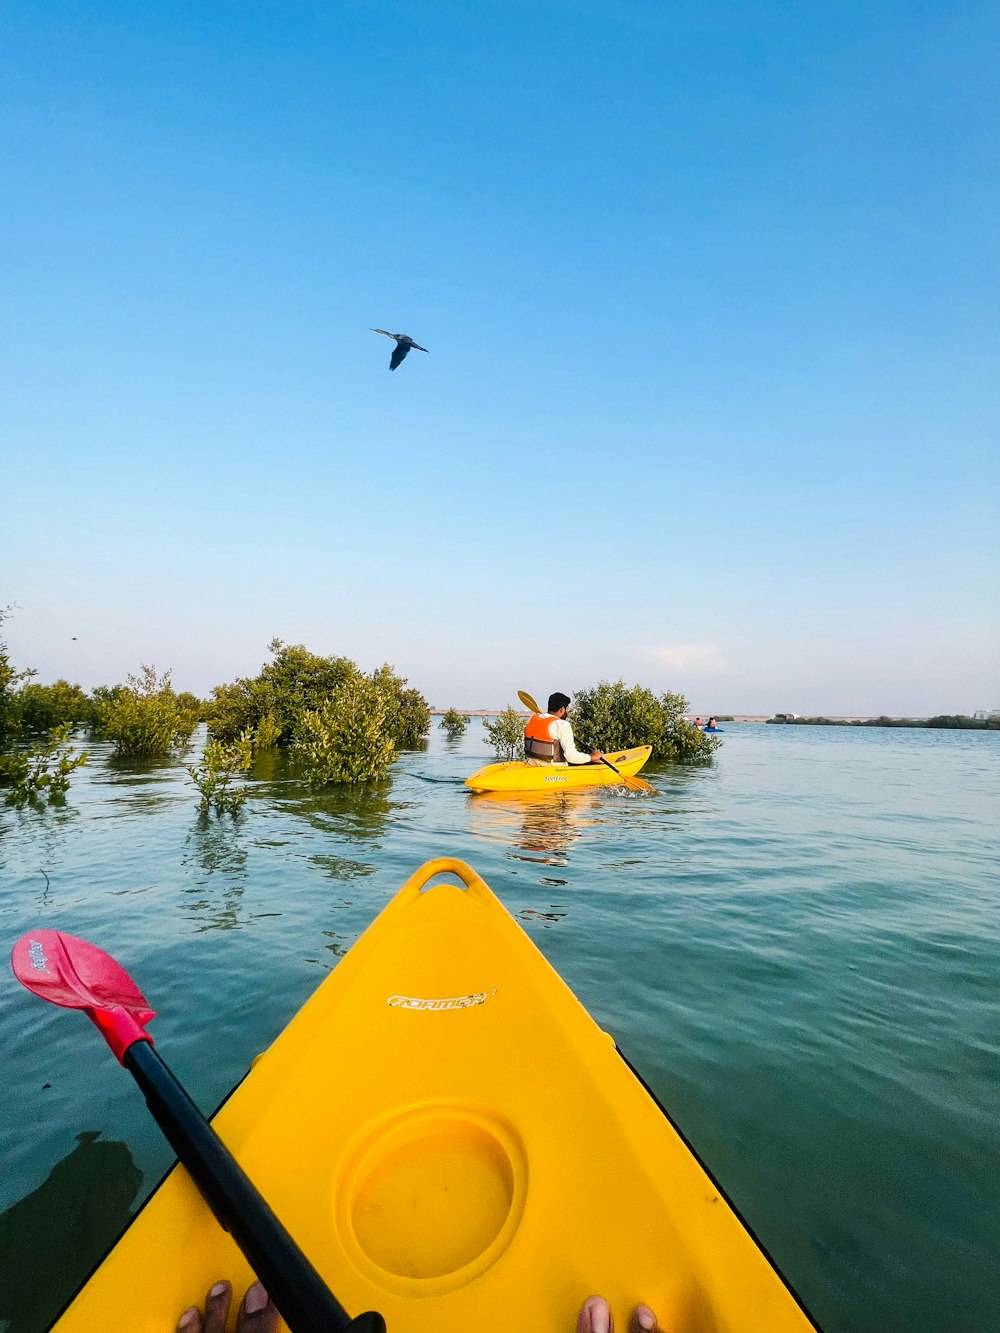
pixel 217 848
pixel 545 919
pixel 360 812
pixel 538 827
pixel 49 828
pixel 222 913
pixel 341 867
pixel 62 1229
pixel 136 786
pixel 268 766
pixel 283 813
pixel 339 944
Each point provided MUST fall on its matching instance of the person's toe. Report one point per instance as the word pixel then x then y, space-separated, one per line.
pixel 216 1310
pixel 257 1313
pixel 595 1316
pixel 643 1320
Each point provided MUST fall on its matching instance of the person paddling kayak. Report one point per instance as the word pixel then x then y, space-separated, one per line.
pixel 548 737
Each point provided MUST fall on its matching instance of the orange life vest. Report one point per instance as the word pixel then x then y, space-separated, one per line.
pixel 539 743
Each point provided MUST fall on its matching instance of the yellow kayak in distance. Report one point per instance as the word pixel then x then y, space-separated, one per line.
pixel 453 1141
pixel 519 775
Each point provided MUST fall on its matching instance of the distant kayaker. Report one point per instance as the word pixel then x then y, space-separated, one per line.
pixel 548 737
pixel 258 1315
pixel 710 724
pixel 698 722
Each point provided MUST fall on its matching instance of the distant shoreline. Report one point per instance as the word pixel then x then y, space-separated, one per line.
pixel 942 722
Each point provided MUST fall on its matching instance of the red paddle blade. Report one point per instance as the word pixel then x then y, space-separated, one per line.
pixel 77 975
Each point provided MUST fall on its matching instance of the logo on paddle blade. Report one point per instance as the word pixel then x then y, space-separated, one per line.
pixel 435 1006
pixel 36 956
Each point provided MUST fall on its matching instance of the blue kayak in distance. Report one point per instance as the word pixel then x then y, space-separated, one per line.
pixel 712 731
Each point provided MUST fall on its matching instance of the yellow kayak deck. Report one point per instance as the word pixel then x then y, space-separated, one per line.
pixel 453 1141
pixel 519 775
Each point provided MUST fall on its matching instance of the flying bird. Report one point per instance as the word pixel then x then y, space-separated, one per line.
pixel 403 344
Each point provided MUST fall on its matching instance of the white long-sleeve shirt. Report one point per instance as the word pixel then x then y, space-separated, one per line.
pixel 561 731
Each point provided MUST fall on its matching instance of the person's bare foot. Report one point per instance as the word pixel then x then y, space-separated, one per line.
pixel 257 1314
pixel 595 1317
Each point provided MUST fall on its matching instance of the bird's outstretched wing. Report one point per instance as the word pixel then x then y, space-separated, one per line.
pixel 398 352
pixel 385 331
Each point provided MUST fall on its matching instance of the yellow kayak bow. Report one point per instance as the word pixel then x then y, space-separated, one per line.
pixel 453 1141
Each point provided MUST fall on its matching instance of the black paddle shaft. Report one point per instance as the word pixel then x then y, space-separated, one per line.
pixel 305 1302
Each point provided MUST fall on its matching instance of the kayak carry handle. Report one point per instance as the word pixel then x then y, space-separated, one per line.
pixel 444 865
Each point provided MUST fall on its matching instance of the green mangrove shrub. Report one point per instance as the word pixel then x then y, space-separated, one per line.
pixel 273 703
pixel 42 770
pixel 408 714
pixel 297 684
pixel 347 739
pixel 265 734
pixel 145 717
pixel 220 764
pixel 39 708
pixel 454 723
pixel 100 696
pixel 413 718
pixel 190 703
pixel 506 734
pixel 616 716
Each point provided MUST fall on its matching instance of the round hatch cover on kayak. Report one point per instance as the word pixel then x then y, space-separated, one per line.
pixel 432 1197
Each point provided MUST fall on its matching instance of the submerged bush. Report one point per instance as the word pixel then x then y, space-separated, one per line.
pixel 617 717
pixel 273 703
pixel 347 739
pixel 454 723
pixel 265 734
pixel 39 708
pixel 506 734
pixel 233 709
pixel 145 717
pixel 408 714
pixel 42 770
pixel 304 701
pixel 297 682
pixel 213 776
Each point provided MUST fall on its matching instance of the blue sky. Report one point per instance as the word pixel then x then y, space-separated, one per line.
pixel 710 292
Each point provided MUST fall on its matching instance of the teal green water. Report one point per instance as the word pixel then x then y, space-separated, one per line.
pixel 798 948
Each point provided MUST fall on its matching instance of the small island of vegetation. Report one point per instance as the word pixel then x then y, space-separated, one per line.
pixel 947 721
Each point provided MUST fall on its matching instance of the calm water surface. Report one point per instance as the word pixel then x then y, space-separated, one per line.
pixel 797 947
